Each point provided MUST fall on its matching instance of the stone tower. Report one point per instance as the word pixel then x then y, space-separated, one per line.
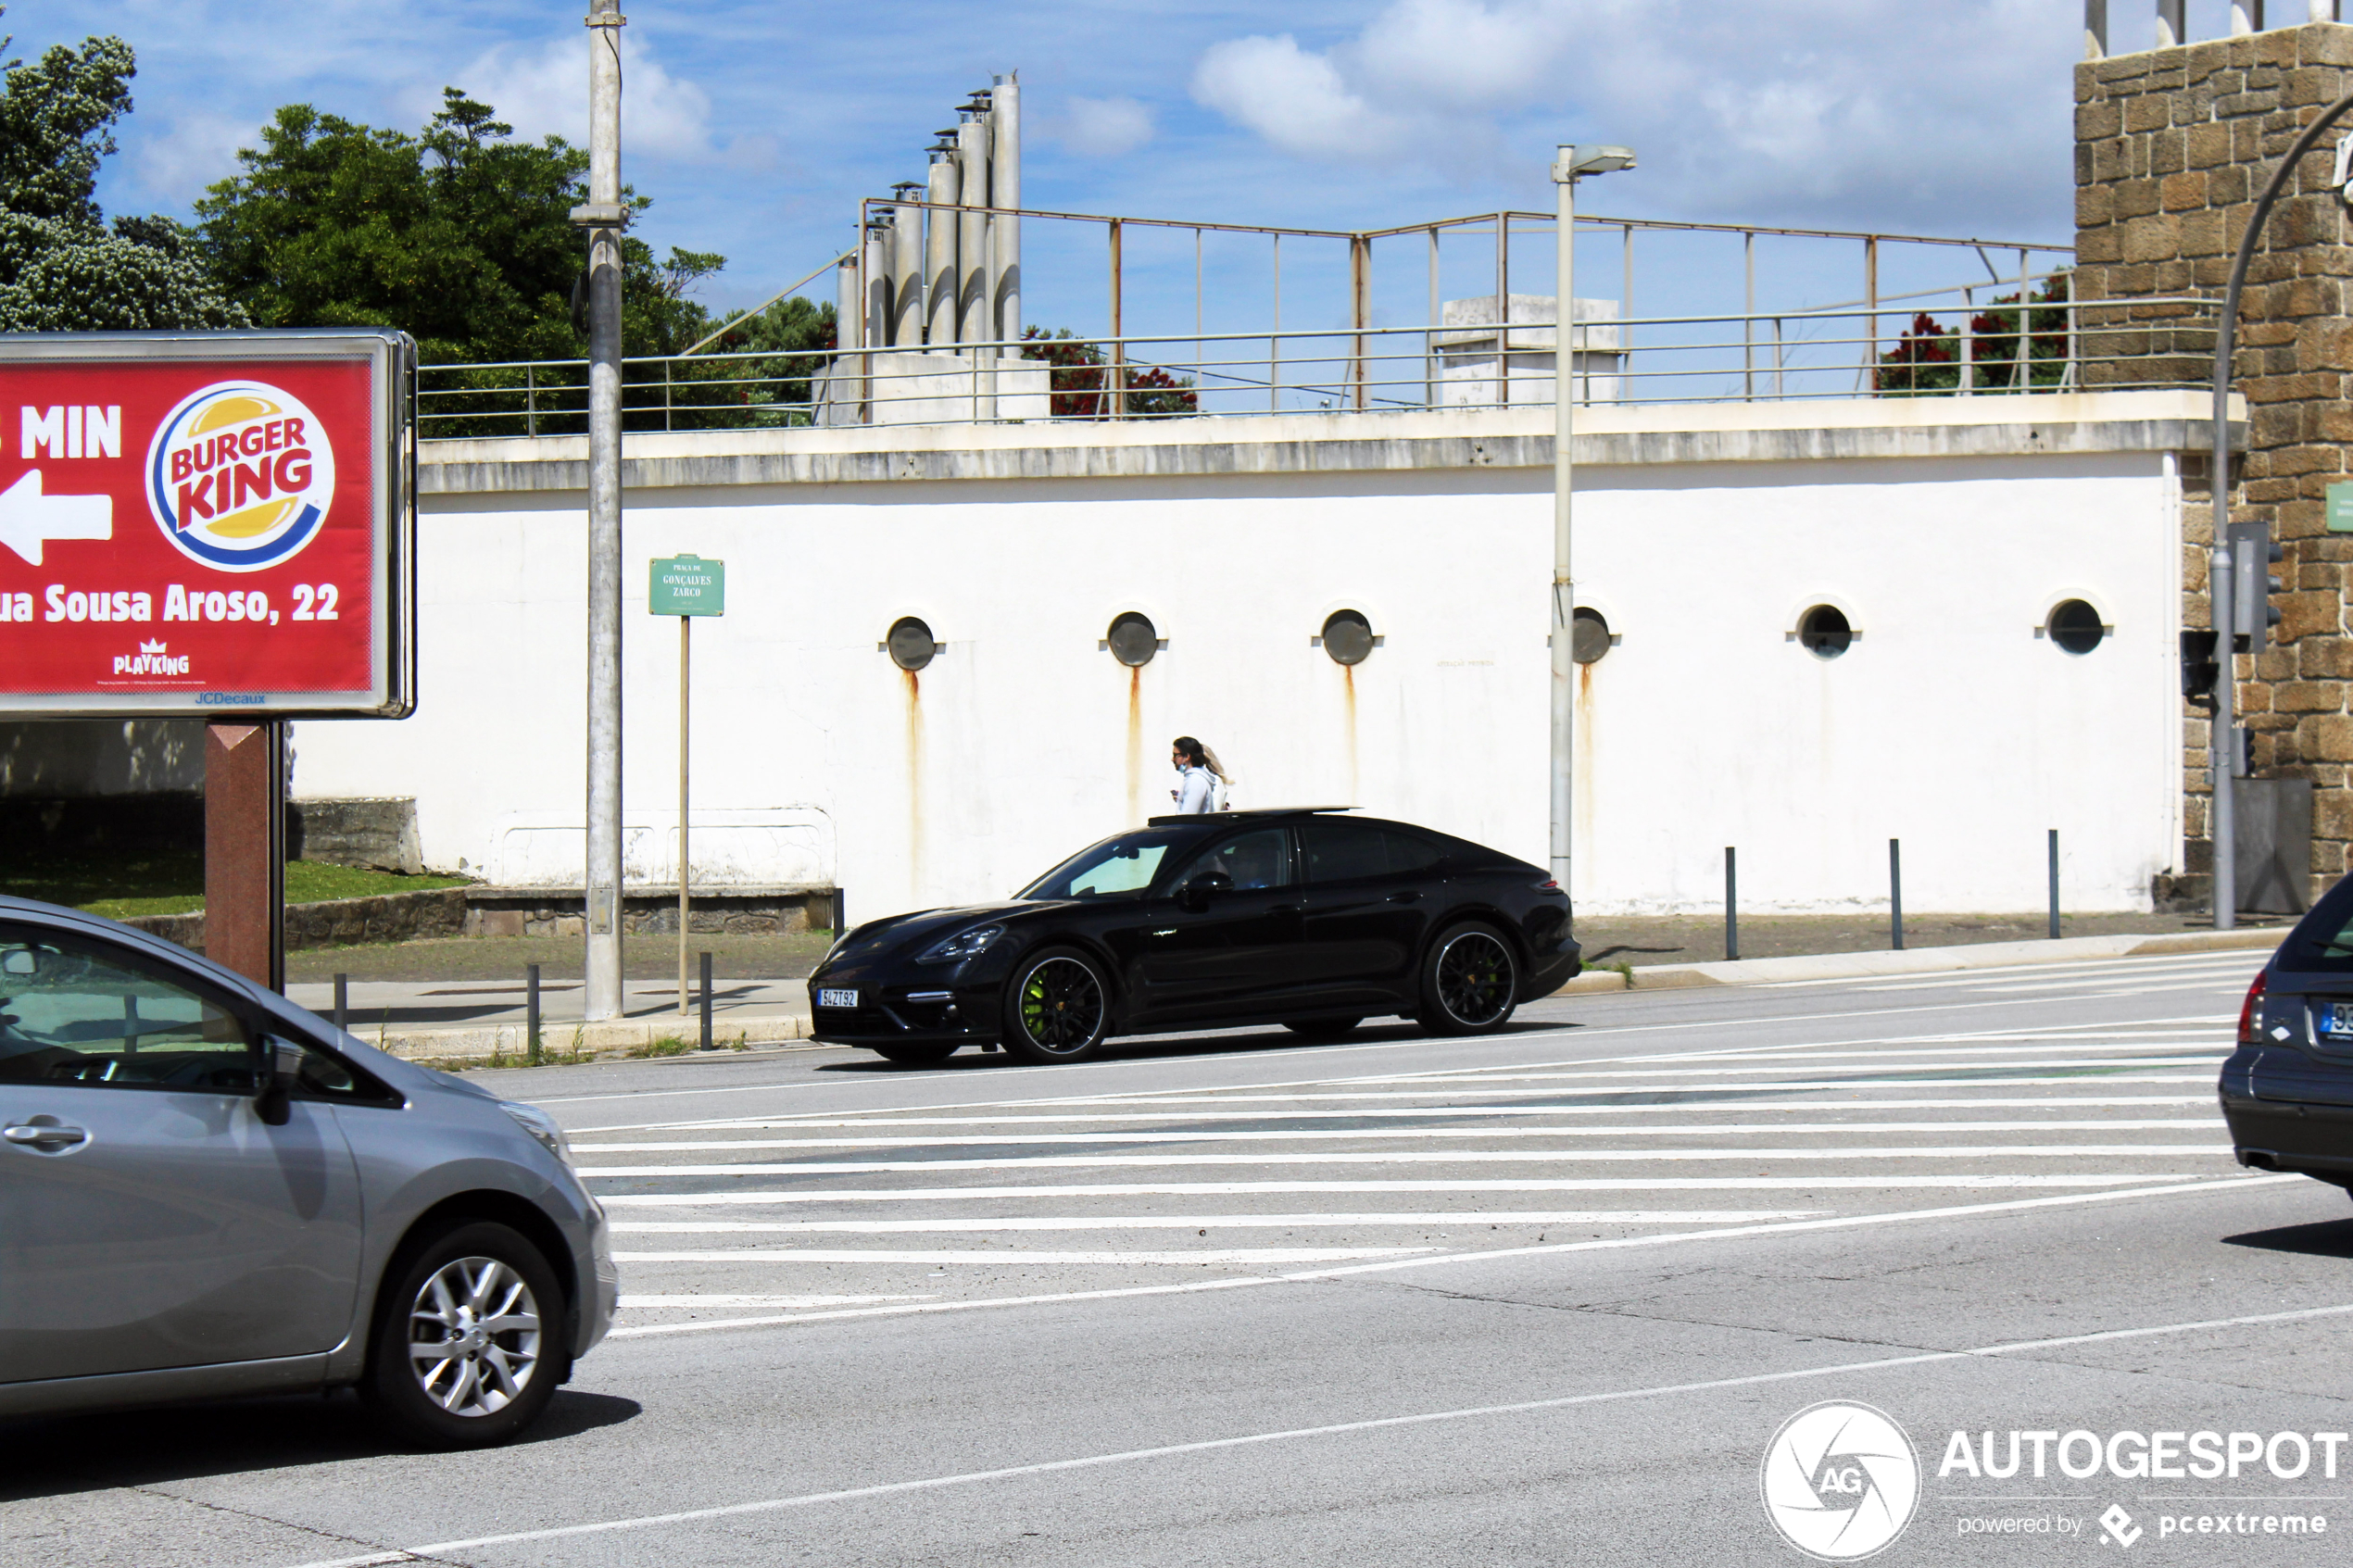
pixel 2173 146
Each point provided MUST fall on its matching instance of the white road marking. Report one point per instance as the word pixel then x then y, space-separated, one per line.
pixel 1211 1134
pixel 1856 1084
pixel 1008 1257
pixel 1449 1217
pixel 1460 1184
pixel 792 1303
pixel 1483 1255
pixel 1406 1157
pixel 1254 1439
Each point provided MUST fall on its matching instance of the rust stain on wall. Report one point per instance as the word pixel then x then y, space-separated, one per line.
pixel 915 782
pixel 1348 685
pixel 1136 742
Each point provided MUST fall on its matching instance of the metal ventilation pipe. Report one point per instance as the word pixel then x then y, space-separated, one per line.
pixel 849 302
pixel 972 231
pixel 1004 188
pixel 877 274
pixel 940 274
pixel 906 269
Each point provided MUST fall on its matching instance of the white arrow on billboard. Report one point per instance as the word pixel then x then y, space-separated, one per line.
pixel 29 519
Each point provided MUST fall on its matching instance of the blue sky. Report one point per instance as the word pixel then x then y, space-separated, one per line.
pixel 756 124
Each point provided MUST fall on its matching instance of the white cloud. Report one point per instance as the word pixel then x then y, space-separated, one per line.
pixel 1778 106
pixel 191 152
pixel 1295 99
pixel 544 91
pixel 1099 127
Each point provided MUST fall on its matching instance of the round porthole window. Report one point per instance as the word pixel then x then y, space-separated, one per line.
pixel 2075 626
pixel 911 644
pixel 1824 632
pixel 1589 637
pixel 1348 637
pixel 1133 639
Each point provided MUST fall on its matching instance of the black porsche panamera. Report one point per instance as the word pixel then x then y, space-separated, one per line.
pixel 1305 918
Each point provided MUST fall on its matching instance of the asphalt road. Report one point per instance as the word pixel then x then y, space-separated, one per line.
pixel 1541 1299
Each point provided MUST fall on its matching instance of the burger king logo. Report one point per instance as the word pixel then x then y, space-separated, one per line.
pixel 240 476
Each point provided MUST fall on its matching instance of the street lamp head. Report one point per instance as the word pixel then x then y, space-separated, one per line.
pixel 1575 163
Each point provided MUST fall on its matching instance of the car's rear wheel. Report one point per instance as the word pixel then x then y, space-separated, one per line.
pixel 1057 1007
pixel 915 1055
pixel 469 1345
pixel 1470 981
pixel 1322 1028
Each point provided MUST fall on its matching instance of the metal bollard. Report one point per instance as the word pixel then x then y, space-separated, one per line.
pixel 2055 926
pixel 707 1043
pixel 531 1014
pixel 841 912
pixel 1732 907
pixel 1895 891
pixel 343 1001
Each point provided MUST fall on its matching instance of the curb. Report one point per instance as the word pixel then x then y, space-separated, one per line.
pixel 1921 960
pixel 581 1042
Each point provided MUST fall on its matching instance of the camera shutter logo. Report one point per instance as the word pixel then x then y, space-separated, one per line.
pixel 240 476
pixel 1840 1481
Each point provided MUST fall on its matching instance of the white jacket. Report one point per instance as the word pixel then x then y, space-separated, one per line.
pixel 1197 792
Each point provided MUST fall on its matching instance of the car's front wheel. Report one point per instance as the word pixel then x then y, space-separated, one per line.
pixel 468 1348
pixel 1470 981
pixel 1057 1007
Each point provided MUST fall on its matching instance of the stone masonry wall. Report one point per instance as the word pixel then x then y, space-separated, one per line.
pixel 2172 148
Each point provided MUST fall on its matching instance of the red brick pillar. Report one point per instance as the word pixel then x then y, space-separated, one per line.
pixel 245 849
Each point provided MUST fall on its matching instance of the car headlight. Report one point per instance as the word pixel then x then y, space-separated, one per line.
pixel 540 1125
pixel 963 944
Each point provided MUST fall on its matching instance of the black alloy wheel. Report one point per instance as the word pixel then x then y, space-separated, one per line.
pixel 1322 1028
pixel 1470 981
pixel 469 1336
pixel 1057 1007
pixel 916 1053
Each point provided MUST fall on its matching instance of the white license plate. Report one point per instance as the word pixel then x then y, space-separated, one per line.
pixel 2337 1019
pixel 833 997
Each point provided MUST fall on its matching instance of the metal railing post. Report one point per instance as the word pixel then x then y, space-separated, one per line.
pixel 1360 284
pixel 1117 370
pixel 1731 905
pixel 1896 893
pixel 530 400
pixel 1504 317
pixel 1748 321
pixel 2055 902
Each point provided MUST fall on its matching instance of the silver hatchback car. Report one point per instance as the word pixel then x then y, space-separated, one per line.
pixel 206 1191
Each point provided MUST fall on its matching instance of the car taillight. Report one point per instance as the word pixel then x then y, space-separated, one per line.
pixel 2247 1037
pixel 1550 884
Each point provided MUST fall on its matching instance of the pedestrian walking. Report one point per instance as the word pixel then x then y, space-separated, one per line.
pixel 1201 782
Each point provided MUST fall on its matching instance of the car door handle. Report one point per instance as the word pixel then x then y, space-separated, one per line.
pixel 48 1135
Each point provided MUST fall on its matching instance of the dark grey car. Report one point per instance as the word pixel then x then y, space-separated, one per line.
pixel 2287 1091
pixel 205 1190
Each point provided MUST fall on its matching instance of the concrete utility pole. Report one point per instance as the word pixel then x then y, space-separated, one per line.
pixel 1568 168
pixel 603 217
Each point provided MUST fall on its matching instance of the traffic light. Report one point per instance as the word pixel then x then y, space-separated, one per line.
pixel 2253 552
pixel 2200 669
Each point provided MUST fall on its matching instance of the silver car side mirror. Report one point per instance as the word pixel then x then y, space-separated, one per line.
pixel 281 1065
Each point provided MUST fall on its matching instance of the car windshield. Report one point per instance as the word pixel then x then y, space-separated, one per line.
pixel 1121 866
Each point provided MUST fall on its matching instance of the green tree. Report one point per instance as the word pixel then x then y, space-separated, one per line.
pixel 60 269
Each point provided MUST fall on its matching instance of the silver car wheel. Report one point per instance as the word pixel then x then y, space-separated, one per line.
pixel 473 1337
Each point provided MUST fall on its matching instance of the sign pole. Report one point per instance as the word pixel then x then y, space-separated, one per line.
pixel 686 658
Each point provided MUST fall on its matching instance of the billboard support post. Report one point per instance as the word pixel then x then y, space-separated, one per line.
pixel 245 849
pixel 685 586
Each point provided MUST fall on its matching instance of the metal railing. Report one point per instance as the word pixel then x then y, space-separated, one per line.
pixel 1912 348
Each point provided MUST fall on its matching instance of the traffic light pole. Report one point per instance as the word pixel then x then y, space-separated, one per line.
pixel 2223 758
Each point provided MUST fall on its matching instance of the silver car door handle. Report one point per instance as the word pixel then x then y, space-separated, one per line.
pixel 48 1136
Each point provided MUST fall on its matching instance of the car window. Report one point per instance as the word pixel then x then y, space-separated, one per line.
pixel 1125 864
pixel 2322 941
pixel 81 1012
pixel 1343 849
pixel 1252 860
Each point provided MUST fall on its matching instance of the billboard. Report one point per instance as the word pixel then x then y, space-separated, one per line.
pixel 207 525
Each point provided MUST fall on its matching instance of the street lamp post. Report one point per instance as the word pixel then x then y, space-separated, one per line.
pixel 1571 164
pixel 603 216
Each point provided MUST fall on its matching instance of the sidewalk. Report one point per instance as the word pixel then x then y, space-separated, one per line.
pixel 481 1022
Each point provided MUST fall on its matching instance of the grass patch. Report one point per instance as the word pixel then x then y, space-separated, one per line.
pixel 669 1045
pixel 121 885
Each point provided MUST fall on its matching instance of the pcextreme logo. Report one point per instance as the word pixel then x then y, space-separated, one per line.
pixel 1840 1481
pixel 240 476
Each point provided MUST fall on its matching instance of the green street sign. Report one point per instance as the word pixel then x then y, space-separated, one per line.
pixel 2341 506
pixel 687 585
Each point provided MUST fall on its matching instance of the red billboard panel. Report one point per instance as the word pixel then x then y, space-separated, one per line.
pixel 207 522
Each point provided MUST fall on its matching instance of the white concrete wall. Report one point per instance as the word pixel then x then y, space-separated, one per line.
pixel 1949 723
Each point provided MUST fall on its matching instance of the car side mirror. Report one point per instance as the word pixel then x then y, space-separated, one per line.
pixel 1194 896
pixel 281 1065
